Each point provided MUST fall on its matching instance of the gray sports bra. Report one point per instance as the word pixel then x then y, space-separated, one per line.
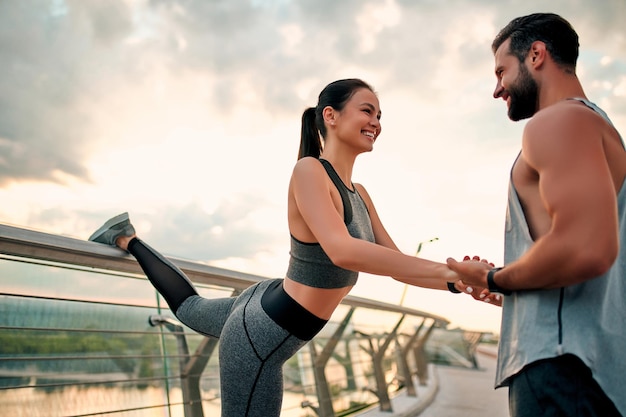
pixel 309 264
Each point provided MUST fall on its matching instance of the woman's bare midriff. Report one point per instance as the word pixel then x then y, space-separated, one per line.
pixel 322 302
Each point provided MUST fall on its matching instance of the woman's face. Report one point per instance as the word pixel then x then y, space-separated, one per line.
pixel 359 121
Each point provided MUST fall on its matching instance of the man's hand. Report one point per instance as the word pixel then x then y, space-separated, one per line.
pixel 473 273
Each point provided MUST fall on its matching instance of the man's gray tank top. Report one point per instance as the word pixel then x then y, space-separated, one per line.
pixel 309 264
pixel 586 319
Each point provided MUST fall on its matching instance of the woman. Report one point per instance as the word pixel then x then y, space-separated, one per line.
pixel 335 232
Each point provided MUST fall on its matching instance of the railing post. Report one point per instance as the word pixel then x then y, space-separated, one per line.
pixel 404 363
pixel 473 339
pixel 325 406
pixel 382 390
pixel 420 355
pixel 348 366
pixel 189 381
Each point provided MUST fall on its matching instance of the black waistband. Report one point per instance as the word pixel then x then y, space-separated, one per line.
pixel 288 314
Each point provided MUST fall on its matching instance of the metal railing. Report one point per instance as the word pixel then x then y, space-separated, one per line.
pixel 77 317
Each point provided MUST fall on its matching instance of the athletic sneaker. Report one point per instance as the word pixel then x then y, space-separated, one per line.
pixel 112 229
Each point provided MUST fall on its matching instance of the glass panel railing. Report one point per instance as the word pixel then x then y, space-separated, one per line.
pixel 83 333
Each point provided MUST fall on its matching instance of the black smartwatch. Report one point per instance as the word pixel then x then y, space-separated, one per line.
pixel 491 284
pixel 452 288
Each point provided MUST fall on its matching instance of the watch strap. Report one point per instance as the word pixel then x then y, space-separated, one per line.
pixel 491 284
pixel 452 288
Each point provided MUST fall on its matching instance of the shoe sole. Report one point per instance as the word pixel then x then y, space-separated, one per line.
pixel 108 225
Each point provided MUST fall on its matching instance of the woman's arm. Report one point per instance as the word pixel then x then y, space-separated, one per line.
pixel 317 213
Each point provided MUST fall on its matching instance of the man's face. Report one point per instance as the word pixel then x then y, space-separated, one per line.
pixel 524 95
pixel 515 85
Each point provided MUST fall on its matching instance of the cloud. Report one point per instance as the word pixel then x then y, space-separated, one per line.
pixel 51 64
pixel 64 61
pixel 232 230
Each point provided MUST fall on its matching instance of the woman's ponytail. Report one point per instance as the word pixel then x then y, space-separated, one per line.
pixel 310 141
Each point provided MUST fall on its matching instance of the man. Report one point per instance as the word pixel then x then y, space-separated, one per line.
pixel 563 342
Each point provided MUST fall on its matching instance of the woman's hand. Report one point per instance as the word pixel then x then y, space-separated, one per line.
pixel 472 272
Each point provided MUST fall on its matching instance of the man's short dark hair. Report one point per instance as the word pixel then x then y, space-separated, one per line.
pixel 556 33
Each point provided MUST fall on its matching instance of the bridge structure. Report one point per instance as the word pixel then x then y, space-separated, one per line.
pixel 82 333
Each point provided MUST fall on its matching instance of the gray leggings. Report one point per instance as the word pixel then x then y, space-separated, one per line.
pixel 259 330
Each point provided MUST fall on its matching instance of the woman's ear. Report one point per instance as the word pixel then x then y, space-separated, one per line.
pixel 329 115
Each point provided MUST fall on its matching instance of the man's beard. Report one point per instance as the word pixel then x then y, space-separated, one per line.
pixel 523 93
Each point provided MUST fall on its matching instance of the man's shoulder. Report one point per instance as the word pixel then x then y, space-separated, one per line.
pixel 562 132
pixel 568 119
pixel 567 112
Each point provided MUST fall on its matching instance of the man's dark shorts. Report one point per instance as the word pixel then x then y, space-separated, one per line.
pixel 558 387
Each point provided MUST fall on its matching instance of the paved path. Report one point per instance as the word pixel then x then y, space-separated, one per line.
pixel 453 392
pixel 469 393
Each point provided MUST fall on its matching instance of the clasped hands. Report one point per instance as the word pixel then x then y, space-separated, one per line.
pixel 472 273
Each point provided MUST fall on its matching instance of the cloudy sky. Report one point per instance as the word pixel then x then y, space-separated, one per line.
pixel 186 114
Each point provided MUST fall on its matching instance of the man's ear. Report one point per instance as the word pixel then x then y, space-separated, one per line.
pixel 537 54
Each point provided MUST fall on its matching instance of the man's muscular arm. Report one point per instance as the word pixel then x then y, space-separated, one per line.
pixel 563 146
